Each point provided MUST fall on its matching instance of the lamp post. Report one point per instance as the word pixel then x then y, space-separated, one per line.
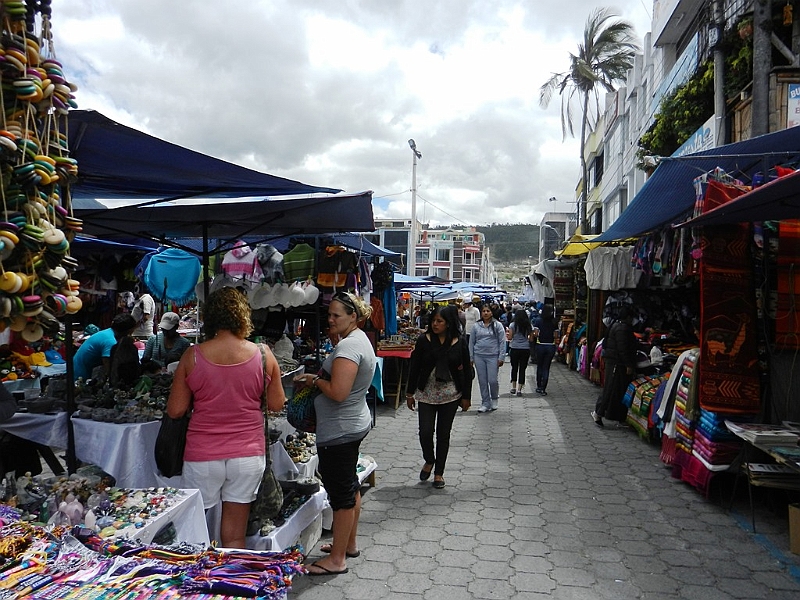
pixel 412 254
pixel 553 229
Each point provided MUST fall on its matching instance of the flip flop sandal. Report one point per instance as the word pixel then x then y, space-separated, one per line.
pixel 326 548
pixel 324 571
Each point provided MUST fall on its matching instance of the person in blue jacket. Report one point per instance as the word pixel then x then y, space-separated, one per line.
pixel 487 352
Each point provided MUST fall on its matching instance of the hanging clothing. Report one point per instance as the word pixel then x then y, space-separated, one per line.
pixel 242 262
pixel 609 268
pixel 299 262
pixel 173 275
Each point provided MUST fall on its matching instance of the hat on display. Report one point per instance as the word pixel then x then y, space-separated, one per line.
pixel 169 321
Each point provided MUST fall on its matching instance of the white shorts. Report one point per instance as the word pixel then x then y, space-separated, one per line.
pixel 230 480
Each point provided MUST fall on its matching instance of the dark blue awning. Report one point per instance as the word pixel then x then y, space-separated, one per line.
pixel 115 161
pixel 668 196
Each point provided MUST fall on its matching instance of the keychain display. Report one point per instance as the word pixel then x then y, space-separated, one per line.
pixel 36 225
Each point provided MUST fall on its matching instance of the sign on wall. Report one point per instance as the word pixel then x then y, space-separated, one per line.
pixel 793 108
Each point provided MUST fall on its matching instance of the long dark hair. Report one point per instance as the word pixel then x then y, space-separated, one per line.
pixel 450 315
pixel 522 324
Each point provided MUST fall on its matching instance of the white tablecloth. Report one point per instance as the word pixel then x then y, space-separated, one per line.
pixel 123 451
pixel 288 534
pixel 50 430
pixel 186 515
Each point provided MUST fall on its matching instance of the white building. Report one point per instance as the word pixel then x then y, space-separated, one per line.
pixel 450 254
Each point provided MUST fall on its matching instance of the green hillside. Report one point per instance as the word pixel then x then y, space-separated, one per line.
pixel 511 242
pixel 507 243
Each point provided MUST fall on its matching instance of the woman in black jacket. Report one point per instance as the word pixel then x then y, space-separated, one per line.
pixel 439 381
pixel 619 355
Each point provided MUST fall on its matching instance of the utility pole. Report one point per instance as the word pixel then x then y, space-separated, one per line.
pixel 720 113
pixel 762 64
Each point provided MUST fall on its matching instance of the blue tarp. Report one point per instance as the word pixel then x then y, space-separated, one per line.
pixel 668 196
pixel 115 161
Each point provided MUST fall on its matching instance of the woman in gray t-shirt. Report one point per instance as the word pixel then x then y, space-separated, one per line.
pixel 343 421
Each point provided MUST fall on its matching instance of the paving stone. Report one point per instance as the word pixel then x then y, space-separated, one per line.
pixel 539 504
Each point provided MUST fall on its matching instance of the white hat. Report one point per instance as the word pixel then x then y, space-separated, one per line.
pixel 169 321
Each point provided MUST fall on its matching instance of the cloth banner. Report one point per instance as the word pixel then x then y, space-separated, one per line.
pixel 728 366
pixel 787 317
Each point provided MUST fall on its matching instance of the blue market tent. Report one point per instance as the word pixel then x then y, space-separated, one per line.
pixel 230 201
pixel 116 161
pixel 669 197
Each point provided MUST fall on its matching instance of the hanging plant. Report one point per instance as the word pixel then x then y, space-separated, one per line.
pixel 745 28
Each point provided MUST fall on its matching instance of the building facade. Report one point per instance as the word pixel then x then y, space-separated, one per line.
pixel 449 254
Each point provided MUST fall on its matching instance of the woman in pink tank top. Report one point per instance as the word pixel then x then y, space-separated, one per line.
pixel 221 381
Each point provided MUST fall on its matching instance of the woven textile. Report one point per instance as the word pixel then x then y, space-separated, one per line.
pixel 729 380
pixel 787 318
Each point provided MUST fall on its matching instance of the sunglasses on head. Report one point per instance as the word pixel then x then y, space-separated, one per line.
pixel 346 299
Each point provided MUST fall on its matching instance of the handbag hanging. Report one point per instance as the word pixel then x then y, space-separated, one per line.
pixel 170 444
pixel 300 409
pixel 269 498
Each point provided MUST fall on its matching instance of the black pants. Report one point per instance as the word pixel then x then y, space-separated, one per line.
pixel 519 362
pixel 615 384
pixel 438 417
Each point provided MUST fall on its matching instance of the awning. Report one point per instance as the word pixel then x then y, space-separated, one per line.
pixel 773 201
pixel 668 196
pixel 115 161
pixel 578 244
pixel 231 219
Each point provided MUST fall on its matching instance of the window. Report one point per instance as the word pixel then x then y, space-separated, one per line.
pixel 469 258
pixel 443 273
pixel 418 272
pixel 422 256
pixel 443 254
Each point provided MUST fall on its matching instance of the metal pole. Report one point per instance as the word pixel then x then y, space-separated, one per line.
pixel 412 253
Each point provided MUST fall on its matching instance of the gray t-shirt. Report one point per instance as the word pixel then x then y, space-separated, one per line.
pixel 349 420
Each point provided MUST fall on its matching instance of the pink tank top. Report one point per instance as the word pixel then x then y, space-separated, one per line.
pixel 227 421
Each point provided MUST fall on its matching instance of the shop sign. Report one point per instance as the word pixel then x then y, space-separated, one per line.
pixel 793 108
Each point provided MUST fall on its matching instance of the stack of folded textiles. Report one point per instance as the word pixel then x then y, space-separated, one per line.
pixel 713 443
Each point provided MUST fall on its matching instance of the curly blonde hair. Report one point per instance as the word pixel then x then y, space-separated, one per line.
pixel 227 308
pixel 354 304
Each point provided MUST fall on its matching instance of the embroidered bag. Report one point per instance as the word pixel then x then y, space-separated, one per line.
pixel 300 409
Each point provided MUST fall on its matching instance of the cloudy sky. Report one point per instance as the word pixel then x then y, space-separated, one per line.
pixel 329 91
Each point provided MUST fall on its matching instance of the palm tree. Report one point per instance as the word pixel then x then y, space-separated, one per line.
pixel 604 58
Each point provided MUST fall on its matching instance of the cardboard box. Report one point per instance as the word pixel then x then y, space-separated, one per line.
pixel 794 528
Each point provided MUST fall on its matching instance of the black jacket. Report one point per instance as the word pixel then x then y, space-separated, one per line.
pixel 621 344
pixel 423 361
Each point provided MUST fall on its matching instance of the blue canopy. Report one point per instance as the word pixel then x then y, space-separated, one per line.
pixel 115 161
pixel 668 196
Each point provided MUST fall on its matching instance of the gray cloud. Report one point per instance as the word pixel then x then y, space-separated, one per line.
pixel 236 81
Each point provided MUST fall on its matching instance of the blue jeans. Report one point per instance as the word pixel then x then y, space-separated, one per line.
pixel 544 356
pixel 487 370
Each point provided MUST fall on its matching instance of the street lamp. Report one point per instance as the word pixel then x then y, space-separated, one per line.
pixel 412 255
pixel 551 228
